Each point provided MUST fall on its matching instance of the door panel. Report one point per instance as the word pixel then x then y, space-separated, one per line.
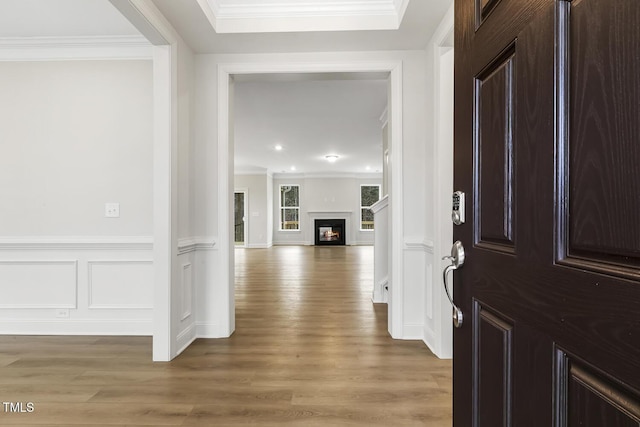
pixel 587 398
pixel 493 338
pixel 495 159
pixel 603 148
pixel 547 148
pixel 483 9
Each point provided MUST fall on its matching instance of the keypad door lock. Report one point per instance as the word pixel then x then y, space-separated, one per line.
pixel 457 208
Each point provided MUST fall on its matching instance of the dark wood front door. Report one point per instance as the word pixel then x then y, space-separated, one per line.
pixel 547 150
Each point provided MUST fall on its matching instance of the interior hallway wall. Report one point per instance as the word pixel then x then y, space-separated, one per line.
pixel 259 212
pixel 75 135
pixel 324 195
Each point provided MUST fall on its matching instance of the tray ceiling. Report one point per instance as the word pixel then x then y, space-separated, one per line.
pixel 257 16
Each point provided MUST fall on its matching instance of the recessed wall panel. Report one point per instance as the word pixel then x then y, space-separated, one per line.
pixel 38 284
pixel 187 290
pixel 121 284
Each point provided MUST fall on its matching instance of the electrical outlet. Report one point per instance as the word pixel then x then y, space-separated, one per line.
pixel 112 210
pixel 62 313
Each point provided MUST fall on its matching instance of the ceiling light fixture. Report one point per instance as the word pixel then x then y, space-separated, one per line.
pixel 278 147
pixel 293 168
pixel 331 158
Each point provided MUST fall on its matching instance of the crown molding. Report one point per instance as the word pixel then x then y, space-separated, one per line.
pixel 320 175
pixel 240 171
pixel 289 16
pixel 74 48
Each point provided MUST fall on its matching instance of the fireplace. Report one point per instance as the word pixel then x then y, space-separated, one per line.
pixel 330 232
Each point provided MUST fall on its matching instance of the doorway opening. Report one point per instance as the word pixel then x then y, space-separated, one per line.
pixel 321 191
pixel 227 75
pixel 240 223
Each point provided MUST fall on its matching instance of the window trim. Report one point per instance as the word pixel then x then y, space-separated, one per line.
pixel 281 208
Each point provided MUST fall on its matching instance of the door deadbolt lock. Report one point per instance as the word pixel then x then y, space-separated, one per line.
pixel 457 208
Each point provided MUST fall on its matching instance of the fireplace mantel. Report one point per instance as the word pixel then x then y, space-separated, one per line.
pixel 330 212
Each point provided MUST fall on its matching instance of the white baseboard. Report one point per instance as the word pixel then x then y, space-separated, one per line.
pixel 292 243
pixel 428 337
pixel 412 331
pixel 185 338
pixel 76 327
pixel 259 245
pixel 379 294
pixel 209 330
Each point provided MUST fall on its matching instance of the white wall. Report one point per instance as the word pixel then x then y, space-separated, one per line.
pixel 260 212
pixel 73 136
pixel 323 195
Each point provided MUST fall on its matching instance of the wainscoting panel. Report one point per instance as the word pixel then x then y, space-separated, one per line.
pixel 418 255
pixel 32 284
pixel 187 290
pixel 120 284
pixel 69 285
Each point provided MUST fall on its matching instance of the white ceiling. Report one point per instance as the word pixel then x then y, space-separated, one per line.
pixel 62 18
pixel 310 116
pixel 418 24
pixel 309 119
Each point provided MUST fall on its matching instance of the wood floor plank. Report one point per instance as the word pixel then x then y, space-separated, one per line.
pixel 310 349
pixel 311 415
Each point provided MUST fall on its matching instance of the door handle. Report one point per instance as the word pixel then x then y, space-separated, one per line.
pixel 457 261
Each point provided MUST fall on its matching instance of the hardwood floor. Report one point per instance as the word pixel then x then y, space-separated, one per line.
pixel 310 349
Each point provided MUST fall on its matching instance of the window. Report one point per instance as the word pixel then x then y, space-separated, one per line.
pixel 369 194
pixel 289 207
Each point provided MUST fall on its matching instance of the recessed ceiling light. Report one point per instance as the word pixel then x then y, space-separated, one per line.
pixel 368 168
pixel 331 158
pixel 293 168
pixel 278 147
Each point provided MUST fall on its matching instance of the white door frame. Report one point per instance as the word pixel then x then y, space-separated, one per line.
pixel 226 170
pixel 144 15
pixel 441 342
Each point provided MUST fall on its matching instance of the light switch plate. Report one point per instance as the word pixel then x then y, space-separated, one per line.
pixel 112 210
